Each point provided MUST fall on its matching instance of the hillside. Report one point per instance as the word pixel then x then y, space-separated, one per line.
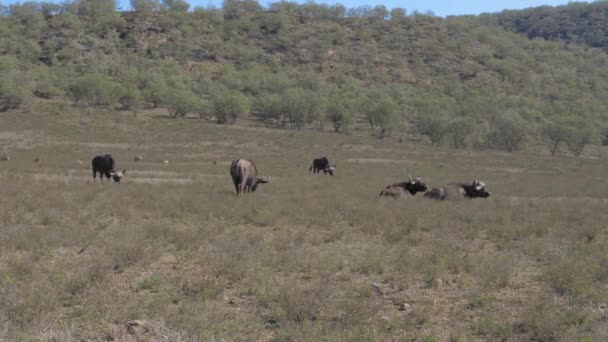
pixel 465 80
pixel 583 23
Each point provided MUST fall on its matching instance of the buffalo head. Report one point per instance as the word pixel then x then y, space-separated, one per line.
pixel 260 180
pixel 117 175
pixel 330 169
pixel 415 185
pixel 476 189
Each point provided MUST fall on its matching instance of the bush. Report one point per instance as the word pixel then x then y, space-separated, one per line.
pixel 554 134
pixel 93 90
pixel 434 127
pixel 180 102
pixel 301 107
pixel 578 138
pixel 381 114
pixel 268 107
pixel 227 107
pixel 339 113
pixel 130 98
pixel 45 83
pixel 12 95
pixel 460 131
pixel 508 133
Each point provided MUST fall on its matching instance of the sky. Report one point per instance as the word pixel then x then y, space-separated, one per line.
pixel 438 7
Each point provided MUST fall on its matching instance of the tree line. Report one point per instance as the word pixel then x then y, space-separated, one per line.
pixel 464 81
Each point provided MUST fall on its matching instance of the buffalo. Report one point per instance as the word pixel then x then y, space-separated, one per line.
pixel 104 164
pixel 245 176
pixel 322 164
pixel 405 189
pixel 476 189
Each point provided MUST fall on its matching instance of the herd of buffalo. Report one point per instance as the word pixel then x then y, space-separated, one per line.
pixel 245 178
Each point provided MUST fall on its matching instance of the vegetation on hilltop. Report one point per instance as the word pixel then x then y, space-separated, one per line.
pixel 463 80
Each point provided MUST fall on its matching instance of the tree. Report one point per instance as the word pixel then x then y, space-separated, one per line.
pixel 301 107
pixel 605 137
pixel 434 127
pixel 176 5
pixel 384 113
pixel 227 106
pixel 12 95
pixel 154 89
pixel 580 134
pixel 339 113
pixel 181 101
pixel 460 131
pixel 145 6
pixel 268 107
pixel 93 90
pixel 554 134
pixel 45 83
pixel 130 98
pixel 508 132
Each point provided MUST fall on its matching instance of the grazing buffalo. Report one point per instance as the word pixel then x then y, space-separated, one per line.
pixel 322 164
pixel 104 164
pixel 245 176
pixel 476 189
pixel 405 189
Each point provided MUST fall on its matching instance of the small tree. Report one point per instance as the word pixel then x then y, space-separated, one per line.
pixel 578 138
pixel 554 134
pixel 268 107
pixel 605 137
pixel 93 90
pixel 434 127
pixel 12 96
pixel 181 101
pixel 228 106
pixel 130 98
pixel 154 89
pixel 508 132
pixel 339 113
pixel 145 6
pixel 301 107
pixel 460 131
pixel 45 83
pixel 381 113
pixel 176 5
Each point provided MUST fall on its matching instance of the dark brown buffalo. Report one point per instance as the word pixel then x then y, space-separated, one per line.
pixel 245 176
pixel 476 189
pixel 405 189
pixel 104 164
pixel 322 164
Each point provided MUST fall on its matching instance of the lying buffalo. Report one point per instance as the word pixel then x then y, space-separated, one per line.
pixel 405 189
pixel 245 176
pixel 104 164
pixel 476 189
pixel 322 164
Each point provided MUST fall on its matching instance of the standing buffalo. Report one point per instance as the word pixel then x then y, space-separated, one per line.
pixel 405 189
pixel 245 176
pixel 476 189
pixel 322 164
pixel 104 164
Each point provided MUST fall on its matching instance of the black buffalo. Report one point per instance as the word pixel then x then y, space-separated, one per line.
pixel 245 176
pixel 405 189
pixel 104 164
pixel 322 164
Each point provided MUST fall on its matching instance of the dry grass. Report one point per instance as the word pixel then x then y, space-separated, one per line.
pixel 306 257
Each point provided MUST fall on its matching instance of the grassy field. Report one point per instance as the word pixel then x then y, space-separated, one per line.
pixel 172 254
